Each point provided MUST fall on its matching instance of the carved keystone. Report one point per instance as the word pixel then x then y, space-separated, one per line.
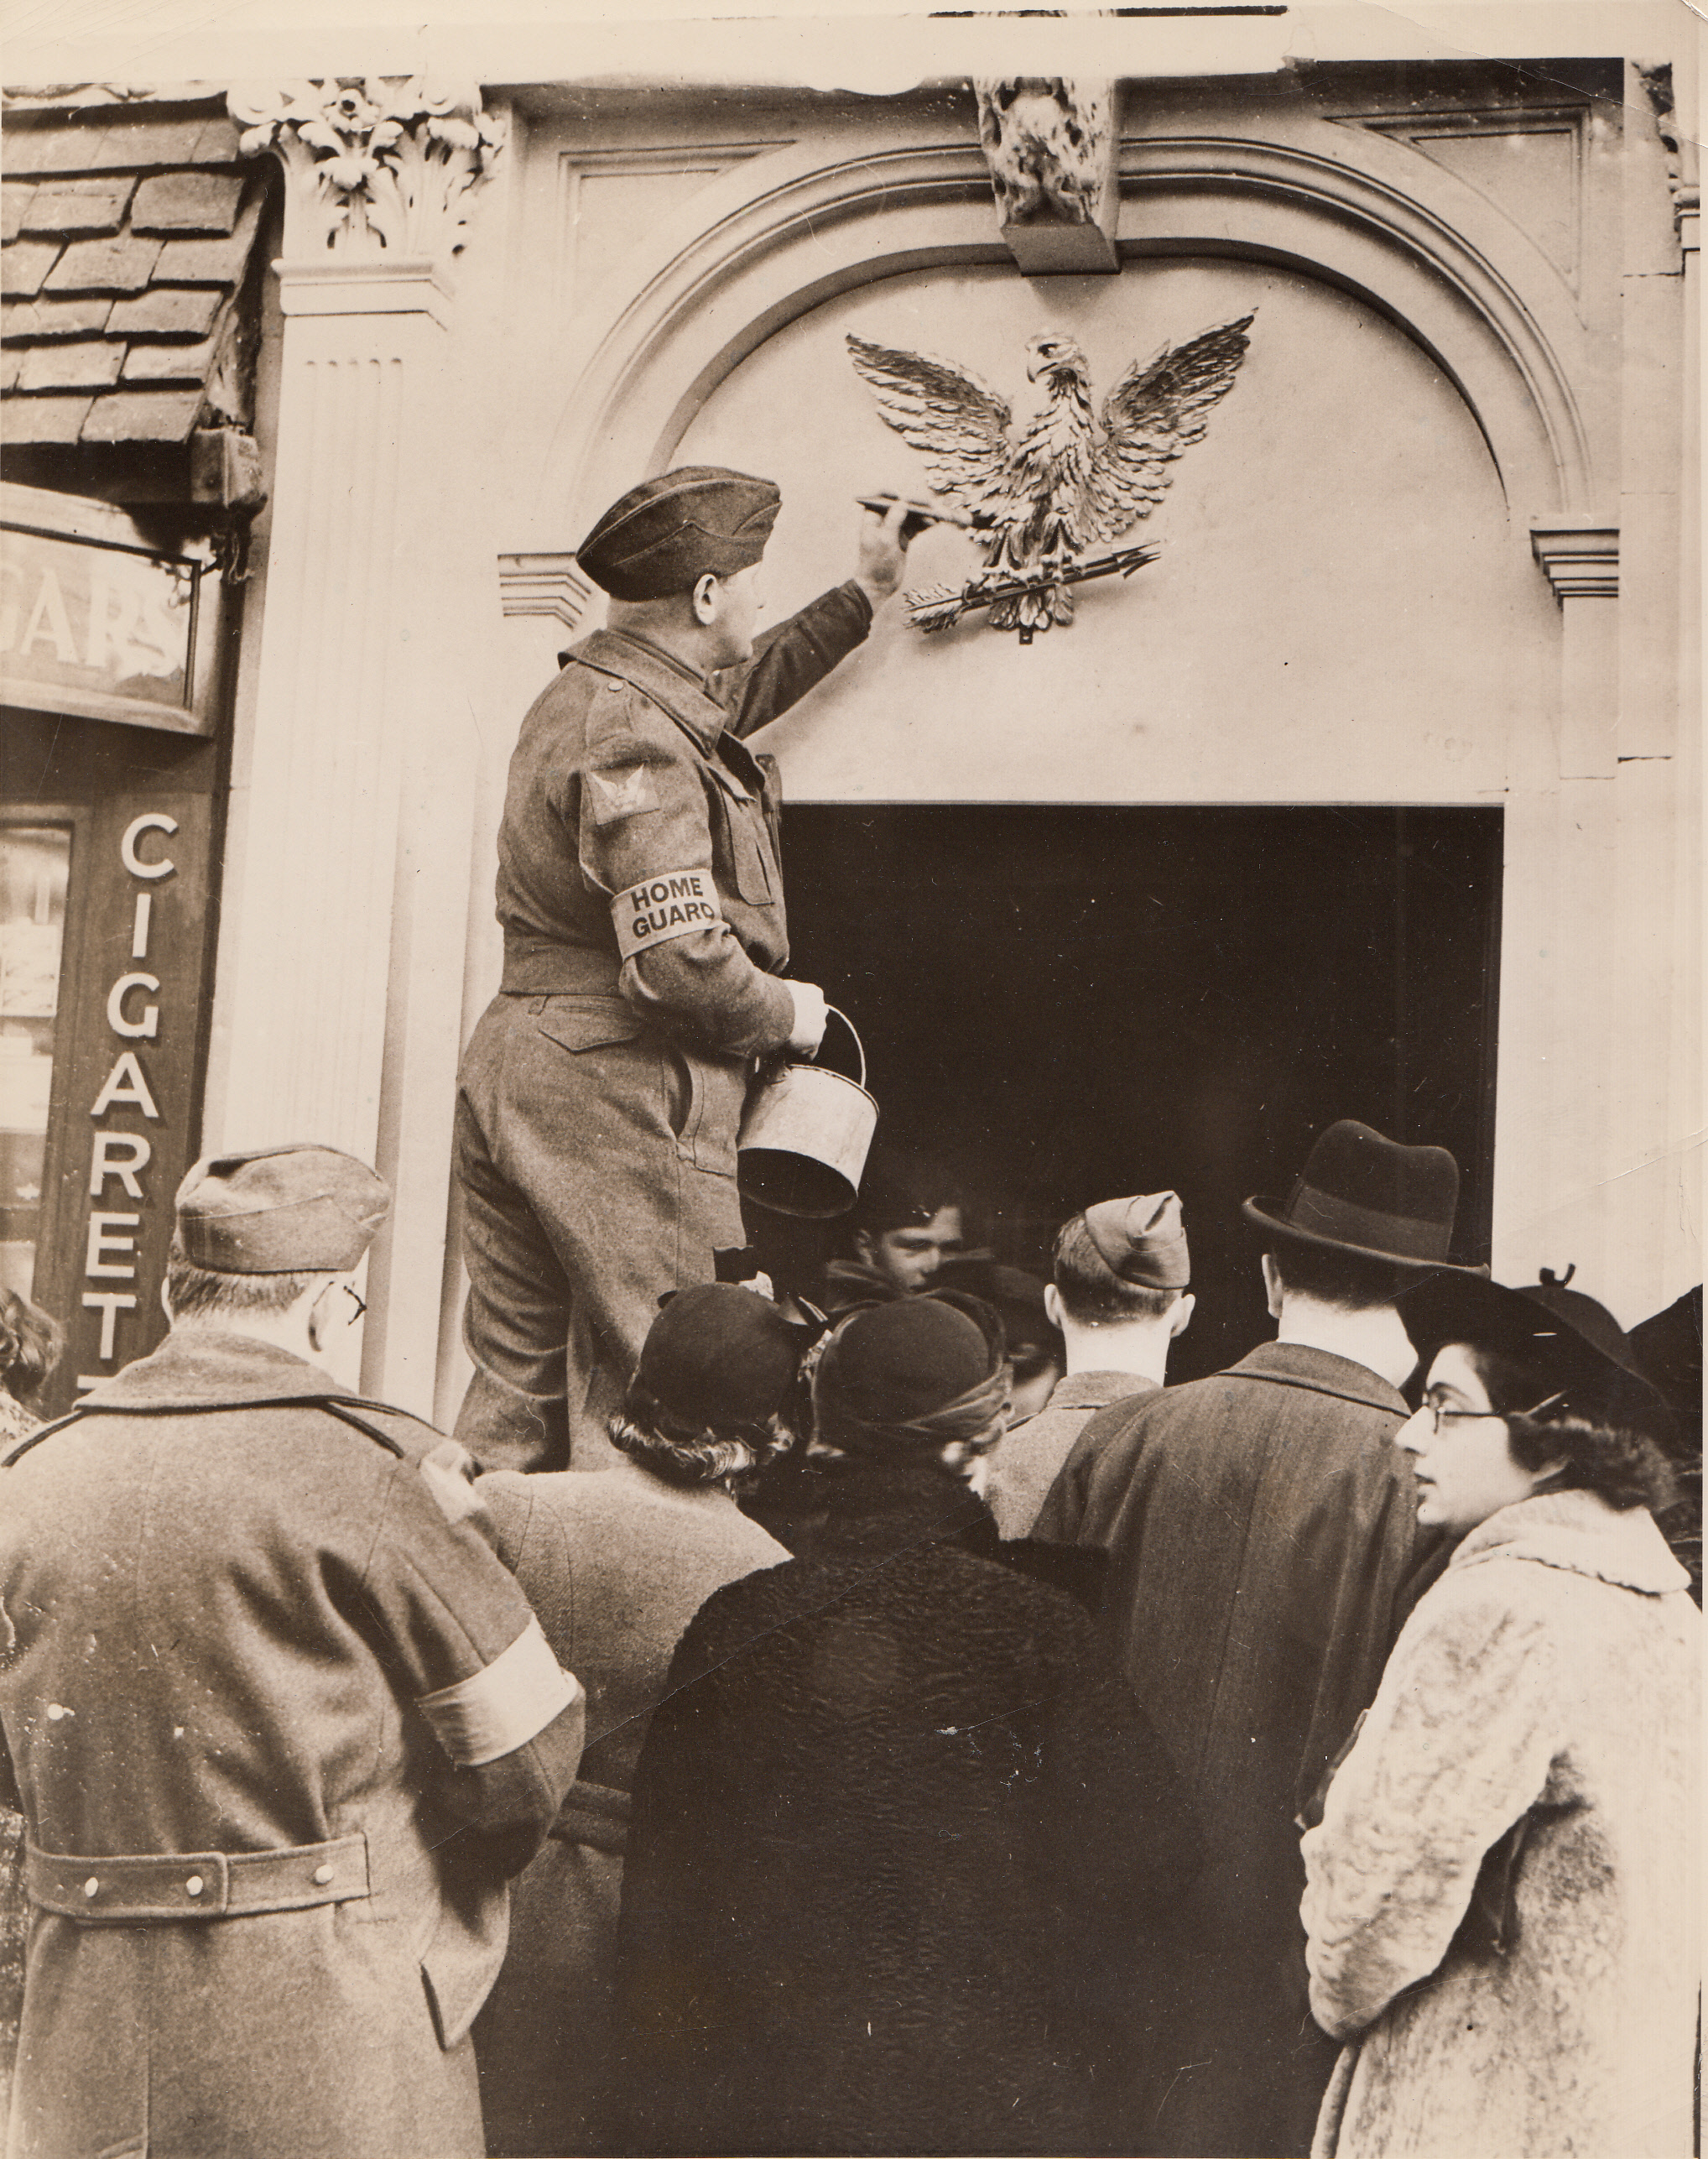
pixel 377 166
pixel 1051 148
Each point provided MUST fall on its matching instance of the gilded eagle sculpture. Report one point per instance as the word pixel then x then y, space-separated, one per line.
pixel 1036 504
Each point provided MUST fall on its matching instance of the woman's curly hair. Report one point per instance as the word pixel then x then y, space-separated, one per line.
pixel 1598 1446
pixel 689 1455
pixel 30 1344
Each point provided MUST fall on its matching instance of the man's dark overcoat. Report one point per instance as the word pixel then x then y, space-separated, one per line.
pixel 234 1629
pixel 1264 1552
pixel 599 1097
pixel 899 1838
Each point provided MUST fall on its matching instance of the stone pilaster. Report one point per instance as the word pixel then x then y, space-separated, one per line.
pixel 345 896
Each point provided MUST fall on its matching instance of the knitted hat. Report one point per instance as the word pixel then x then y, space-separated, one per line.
pixel 719 1354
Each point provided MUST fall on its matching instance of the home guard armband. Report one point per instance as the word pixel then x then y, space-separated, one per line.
pixel 492 1712
pixel 673 904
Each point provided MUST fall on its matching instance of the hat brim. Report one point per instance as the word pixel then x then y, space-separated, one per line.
pixel 1482 1311
pixel 1263 1212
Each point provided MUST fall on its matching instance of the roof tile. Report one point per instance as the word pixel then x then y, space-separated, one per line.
pixel 163 363
pixel 33 148
pixel 45 317
pixel 121 264
pixel 10 361
pixel 85 363
pixel 211 262
pixel 165 311
pixel 25 263
pixel 143 416
pixel 176 202
pixel 44 420
pixel 14 201
pixel 145 143
pixel 78 207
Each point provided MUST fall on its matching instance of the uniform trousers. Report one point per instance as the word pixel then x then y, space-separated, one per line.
pixel 597 1158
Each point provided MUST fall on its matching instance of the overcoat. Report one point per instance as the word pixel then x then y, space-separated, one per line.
pixel 1550 1679
pixel 280 1724
pixel 900 1837
pixel 615 1563
pixel 599 1099
pixel 1263 1554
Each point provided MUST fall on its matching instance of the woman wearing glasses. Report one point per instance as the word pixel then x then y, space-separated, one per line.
pixel 1502 1894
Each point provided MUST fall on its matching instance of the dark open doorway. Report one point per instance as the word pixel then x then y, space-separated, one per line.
pixel 1072 1002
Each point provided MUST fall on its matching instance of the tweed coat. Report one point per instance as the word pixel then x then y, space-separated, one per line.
pixel 1551 1677
pixel 235 1625
pixel 1263 1554
pixel 900 1840
pixel 1026 1461
pixel 615 1563
pixel 598 1100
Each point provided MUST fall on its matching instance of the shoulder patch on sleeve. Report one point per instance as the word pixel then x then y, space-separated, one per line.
pixel 621 793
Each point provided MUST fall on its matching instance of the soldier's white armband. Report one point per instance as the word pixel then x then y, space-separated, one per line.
pixel 496 1711
pixel 673 904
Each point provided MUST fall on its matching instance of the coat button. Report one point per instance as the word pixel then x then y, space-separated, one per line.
pixel 195 1885
pixel 92 1886
pixel 323 1875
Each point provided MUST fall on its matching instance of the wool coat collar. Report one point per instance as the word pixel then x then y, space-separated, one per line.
pixel 681 692
pixel 1297 1365
pixel 203 1366
pixel 1581 1533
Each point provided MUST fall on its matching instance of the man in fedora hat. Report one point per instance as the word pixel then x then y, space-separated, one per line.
pixel 279 1720
pixel 645 952
pixel 1264 1552
pixel 1118 1293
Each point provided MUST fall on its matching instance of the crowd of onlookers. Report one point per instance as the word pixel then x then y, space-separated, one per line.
pixel 987 1747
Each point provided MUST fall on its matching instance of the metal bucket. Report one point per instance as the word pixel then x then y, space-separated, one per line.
pixel 804 1135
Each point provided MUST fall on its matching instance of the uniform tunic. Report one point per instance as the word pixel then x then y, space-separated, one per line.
pixel 1264 1552
pixel 600 1096
pixel 230 1630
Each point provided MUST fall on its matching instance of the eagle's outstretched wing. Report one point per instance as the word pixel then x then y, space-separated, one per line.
pixel 1154 413
pixel 959 422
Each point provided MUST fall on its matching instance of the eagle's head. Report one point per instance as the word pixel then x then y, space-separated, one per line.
pixel 1053 353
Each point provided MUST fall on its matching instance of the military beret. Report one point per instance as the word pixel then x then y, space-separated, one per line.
pixel 293 1210
pixel 664 535
pixel 1141 1241
pixel 718 1354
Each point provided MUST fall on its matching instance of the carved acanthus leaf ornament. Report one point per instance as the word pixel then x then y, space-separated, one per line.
pixel 377 165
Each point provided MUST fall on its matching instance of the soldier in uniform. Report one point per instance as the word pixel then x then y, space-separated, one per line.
pixel 644 945
pixel 280 1722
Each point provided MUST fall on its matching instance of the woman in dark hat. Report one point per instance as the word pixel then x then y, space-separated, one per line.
pixel 899 1830
pixel 1501 1898
pixel 615 1563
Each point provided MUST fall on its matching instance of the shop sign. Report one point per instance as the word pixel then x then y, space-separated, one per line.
pixel 134 1112
pixel 94 623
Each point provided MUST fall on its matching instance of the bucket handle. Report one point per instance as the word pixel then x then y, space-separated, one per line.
pixel 832 1013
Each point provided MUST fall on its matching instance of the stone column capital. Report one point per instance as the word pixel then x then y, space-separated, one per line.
pixel 377 168
pixel 1582 559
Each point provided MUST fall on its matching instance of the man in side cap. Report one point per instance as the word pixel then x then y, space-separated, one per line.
pixel 279 1718
pixel 1264 1552
pixel 1118 1293
pixel 645 952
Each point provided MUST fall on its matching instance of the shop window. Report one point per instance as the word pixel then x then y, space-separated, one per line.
pixel 35 862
